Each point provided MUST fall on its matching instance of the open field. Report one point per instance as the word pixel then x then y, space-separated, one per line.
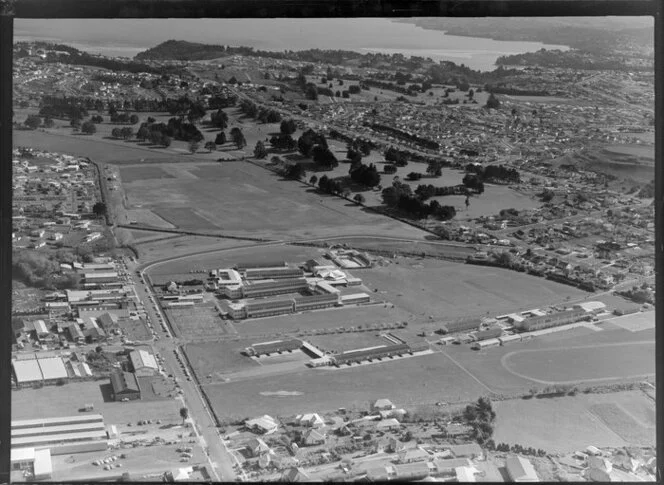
pixel 635 322
pixel 486 365
pixel 641 152
pixel 566 424
pixel 233 254
pixel 429 248
pixel 54 401
pixel 301 323
pixel 583 363
pixel 169 246
pixel 447 290
pixel 218 358
pixel 420 379
pixel 243 199
pixel 201 320
pixel 143 172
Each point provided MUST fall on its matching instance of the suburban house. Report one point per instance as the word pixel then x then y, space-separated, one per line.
pixel 520 469
pixel 469 450
pixel 263 425
pixel 312 420
pixel 256 447
pixel 413 455
pixel 382 405
pixel 313 438
pixel 390 423
pixel 294 474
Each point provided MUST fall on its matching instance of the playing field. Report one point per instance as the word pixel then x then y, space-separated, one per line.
pixel 200 320
pixel 565 424
pixel 243 199
pixel 218 358
pixel 446 290
pixel 143 172
pixel 408 381
pixel 584 363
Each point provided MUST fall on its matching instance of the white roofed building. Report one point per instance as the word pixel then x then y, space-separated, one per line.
pixel 27 372
pixel 520 469
pixel 144 363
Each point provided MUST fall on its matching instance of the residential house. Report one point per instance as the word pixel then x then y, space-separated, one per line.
pixel 312 420
pixel 295 474
pixel 256 447
pixel 469 450
pixel 388 424
pixel 448 466
pixel 313 437
pixel 263 425
pixel 520 469
pixel 413 455
pixel 382 405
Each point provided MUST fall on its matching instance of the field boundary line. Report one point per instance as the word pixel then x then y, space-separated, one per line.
pixel 468 372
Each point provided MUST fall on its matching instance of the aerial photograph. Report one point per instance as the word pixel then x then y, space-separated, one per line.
pixel 333 250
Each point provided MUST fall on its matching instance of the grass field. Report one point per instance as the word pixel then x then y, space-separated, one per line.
pixel 218 358
pixel 585 363
pixel 446 290
pixel 566 424
pixel 143 172
pixel 243 199
pixel 623 424
pixel 422 379
pixel 201 320
pixel 181 245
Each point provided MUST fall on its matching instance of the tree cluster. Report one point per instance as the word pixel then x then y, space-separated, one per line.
pixel 308 140
pixel 329 185
pixel 237 137
pixel 480 417
pixel 324 157
pixel 219 119
pixel 400 196
pixel 125 132
pixel 390 168
pixel 365 174
pixel 495 173
pixel 412 137
pixel 473 182
pixel 398 157
pixel 123 118
pixel 41 270
pixel 63 111
pixel 283 142
pixel 288 126
pixel 33 122
pixel 425 192
pixel 516 448
pixel 264 115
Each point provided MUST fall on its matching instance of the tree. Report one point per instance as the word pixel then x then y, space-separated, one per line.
pixel 126 132
pixel 259 150
pixel 219 119
pixel 143 133
pixel 33 122
pixel 193 146
pixel 97 119
pixel 238 138
pixel 323 156
pixel 221 138
pixel 492 102
pixel 288 127
pixel 133 119
pixel 313 180
pixel 48 122
pixel 115 133
pixel 99 209
pixel 75 123
pixel 359 199
pixel 210 146
pixel 435 168
pixel 166 140
pixel 295 171
pixel 89 128
pixel 184 414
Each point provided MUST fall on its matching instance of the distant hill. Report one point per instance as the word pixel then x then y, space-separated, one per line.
pixel 181 50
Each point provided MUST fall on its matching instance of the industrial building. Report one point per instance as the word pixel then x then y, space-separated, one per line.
pixel 484 344
pixel 357 356
pixel 490 333
pixel 266 264
pixel 276 273
pixel 62 435
pixel 269 308
pixel 461 326
pixel 265 288
pixel 48 370
pixel 267 348
pixel 125 386
pixel 314 302
pixel 143 363
pixel 552 320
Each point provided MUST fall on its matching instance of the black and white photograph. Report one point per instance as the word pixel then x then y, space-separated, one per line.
pixel 333 249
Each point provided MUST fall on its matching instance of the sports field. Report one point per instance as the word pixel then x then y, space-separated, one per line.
pixel 198 321
pixel 447 290
pixel 419 379
pixel 587 363
pixel 243 199
pixel 218 358
pixel 566 424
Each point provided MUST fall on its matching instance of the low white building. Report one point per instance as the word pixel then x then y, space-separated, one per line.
pixel 520 469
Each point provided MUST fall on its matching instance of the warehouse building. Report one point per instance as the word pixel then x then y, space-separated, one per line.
pixel 277 346
pixel 75 333
pixel 48 370
pixel 552 320
pixel 355 299
pixel 125 386
pixel 53 370
pixel 592 307
pixel 461 326
pixel 490 333
pixel 252 265
pixel 360 355
pixel 485 344
pixel 143 363
pixel 62 435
